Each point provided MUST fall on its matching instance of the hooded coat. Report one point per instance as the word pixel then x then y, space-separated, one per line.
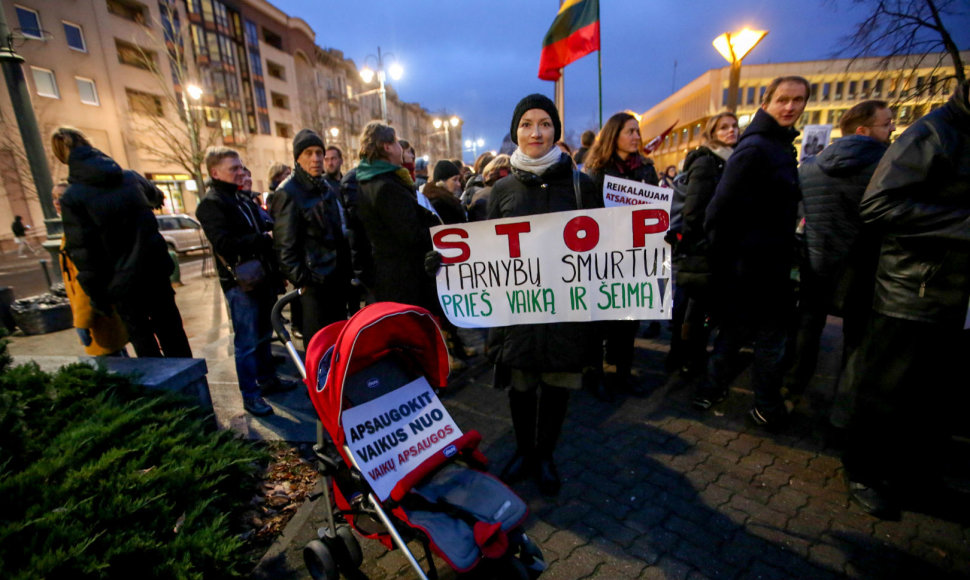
pixel 918 201
pixel 750 221
pixel 110 232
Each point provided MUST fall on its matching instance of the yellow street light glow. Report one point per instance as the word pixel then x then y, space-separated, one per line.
pixel 367 74
pixel 437 123
pixel 194 91
pixel 454 121
pixel 334 132
pixel 735 46
pixel 396 71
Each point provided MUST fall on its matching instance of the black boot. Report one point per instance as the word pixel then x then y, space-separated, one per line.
pixel 523 409
pixel 552 414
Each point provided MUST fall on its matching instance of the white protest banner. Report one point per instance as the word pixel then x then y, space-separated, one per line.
pixel 392 434
pixel 571 266
pixel 618 191
pixel 814 139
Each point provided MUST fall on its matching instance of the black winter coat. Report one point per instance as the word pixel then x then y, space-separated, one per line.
pixel 750 222
pixel 110 232
pixel 235 230
pixel 919 201
pixel 644 173
pixel 361 255
pixel 449 207
pixel 704 169
pixel 398 231
pixel 558 347
pixel 308 231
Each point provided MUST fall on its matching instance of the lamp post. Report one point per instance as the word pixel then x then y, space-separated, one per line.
pixel 194 92
pixel 473 145
pixel 734 46
pixel 367 74
pixel 452 122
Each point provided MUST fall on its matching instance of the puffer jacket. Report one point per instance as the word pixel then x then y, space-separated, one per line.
pixel 750 221
pixel 110 232
pixel 308 230
pixel 919 202
pixel 108 333
pixel 704 169
pixel 557 347
pixel 832 185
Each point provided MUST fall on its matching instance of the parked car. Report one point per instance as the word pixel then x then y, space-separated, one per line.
pixel 182 233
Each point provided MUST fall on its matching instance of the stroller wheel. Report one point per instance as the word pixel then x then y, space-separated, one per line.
pixel 319 561
pixel 352 557
pixel 530 556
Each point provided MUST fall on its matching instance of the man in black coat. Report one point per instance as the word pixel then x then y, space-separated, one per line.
pixel 750 224
pixel 112 237
pixel 238 233
pixel 841 256
pixel 311 245
pixel 912 384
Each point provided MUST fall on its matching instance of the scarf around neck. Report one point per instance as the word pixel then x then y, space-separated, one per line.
pixel 722 151
pixel 367 170
pixel 523 162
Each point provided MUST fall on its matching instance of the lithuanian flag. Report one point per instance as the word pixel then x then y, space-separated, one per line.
pixel 574 33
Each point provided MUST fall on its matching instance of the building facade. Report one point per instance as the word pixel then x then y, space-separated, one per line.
pixel 836 84
pixel 124 72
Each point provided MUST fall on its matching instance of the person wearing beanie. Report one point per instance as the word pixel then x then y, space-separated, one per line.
pixel 443 191
pixel 540 363
pixel 308 233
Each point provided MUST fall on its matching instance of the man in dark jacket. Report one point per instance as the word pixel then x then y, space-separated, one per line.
pixel 750 224
pixel 333 160
pixel 112 237
pixel 311 247
pixel 238 234
pixel 837 276
pixel 913 381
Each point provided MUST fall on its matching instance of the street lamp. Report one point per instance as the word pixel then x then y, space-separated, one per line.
pixel 473 145
pixel 193 92
pixel 452 122
pixel 367 74
pixel 734 46
pixel 334 132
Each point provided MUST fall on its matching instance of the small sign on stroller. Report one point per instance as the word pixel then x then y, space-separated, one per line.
pixel 392 435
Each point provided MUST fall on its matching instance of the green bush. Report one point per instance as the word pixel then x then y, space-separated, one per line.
pixel 100 478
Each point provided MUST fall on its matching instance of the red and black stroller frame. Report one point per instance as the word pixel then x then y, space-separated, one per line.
pixel 395 466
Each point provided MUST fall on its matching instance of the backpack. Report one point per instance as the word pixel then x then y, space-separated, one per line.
pixel 679 185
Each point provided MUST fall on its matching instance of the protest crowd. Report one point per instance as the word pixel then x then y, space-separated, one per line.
pixel 760 250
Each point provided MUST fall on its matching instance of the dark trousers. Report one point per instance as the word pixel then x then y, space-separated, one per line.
pixel 322 304
pixel 911 385
pixel 767 334
pixel 154 323
pixel 620 336
pixel 252 337
pixel 688 331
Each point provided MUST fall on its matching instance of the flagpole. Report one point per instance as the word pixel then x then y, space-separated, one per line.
pixel 599 61
pixel 561 99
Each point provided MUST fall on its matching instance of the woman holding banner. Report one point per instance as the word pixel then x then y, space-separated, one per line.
pixel 540 362
pixel 616 153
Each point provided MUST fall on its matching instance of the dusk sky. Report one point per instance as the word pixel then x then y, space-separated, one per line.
pixel 477 59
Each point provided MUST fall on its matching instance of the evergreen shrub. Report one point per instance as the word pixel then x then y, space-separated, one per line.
pixel 100 478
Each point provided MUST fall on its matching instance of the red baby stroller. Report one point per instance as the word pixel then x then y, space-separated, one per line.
pixel 399 467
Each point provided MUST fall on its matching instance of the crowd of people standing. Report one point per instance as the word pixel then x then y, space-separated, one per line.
pixel 763 251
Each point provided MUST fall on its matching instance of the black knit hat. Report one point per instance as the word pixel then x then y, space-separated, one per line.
pixel 444 170
pixel 306 138
pixel 536 101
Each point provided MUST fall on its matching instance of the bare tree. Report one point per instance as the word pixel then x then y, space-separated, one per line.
pixel 913 32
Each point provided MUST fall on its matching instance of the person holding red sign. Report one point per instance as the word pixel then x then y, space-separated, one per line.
pixel 616 152
pixel 540 362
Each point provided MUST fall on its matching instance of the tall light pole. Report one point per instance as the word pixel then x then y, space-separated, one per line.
pixel 452 122
pixel 734 46
pixel 367 74
pixel 194 92
pixel 473 145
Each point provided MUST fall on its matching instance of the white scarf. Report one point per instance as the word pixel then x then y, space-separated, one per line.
pixel 722 151
pixel 523 162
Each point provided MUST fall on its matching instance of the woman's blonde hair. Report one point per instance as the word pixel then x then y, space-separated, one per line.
pixel 707 137
pixel 66 139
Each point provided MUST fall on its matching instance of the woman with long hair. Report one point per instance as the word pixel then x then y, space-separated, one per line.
pixel 703 166
pixel 540 363
pixel 616 152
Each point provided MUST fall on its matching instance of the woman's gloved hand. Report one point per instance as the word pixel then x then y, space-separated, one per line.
pixel 432 263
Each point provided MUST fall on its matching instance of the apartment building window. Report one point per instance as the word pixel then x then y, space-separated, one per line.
pixel 866 87
pixel 135 56
pixel 144 103
pixel 221 16
pixel 255 62
pixel 29 23
pixel 44 82
pixel 128 9
pixel 761 93
pixel 260 97
pixel 838 90
pixel 74 37
pixel 826 91
pixel 835 115
pixel 816 117
pixel 283 130
pixel 279 101
pixel 275 70
pixel 853 85
pixel 272 39
pixel 264 124
pixel 228 54
pixel 252 33
pixel 814 90
pixel 88 91
pixel 750 99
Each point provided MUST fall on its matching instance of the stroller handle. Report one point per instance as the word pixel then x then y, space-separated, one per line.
pixel 276 317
